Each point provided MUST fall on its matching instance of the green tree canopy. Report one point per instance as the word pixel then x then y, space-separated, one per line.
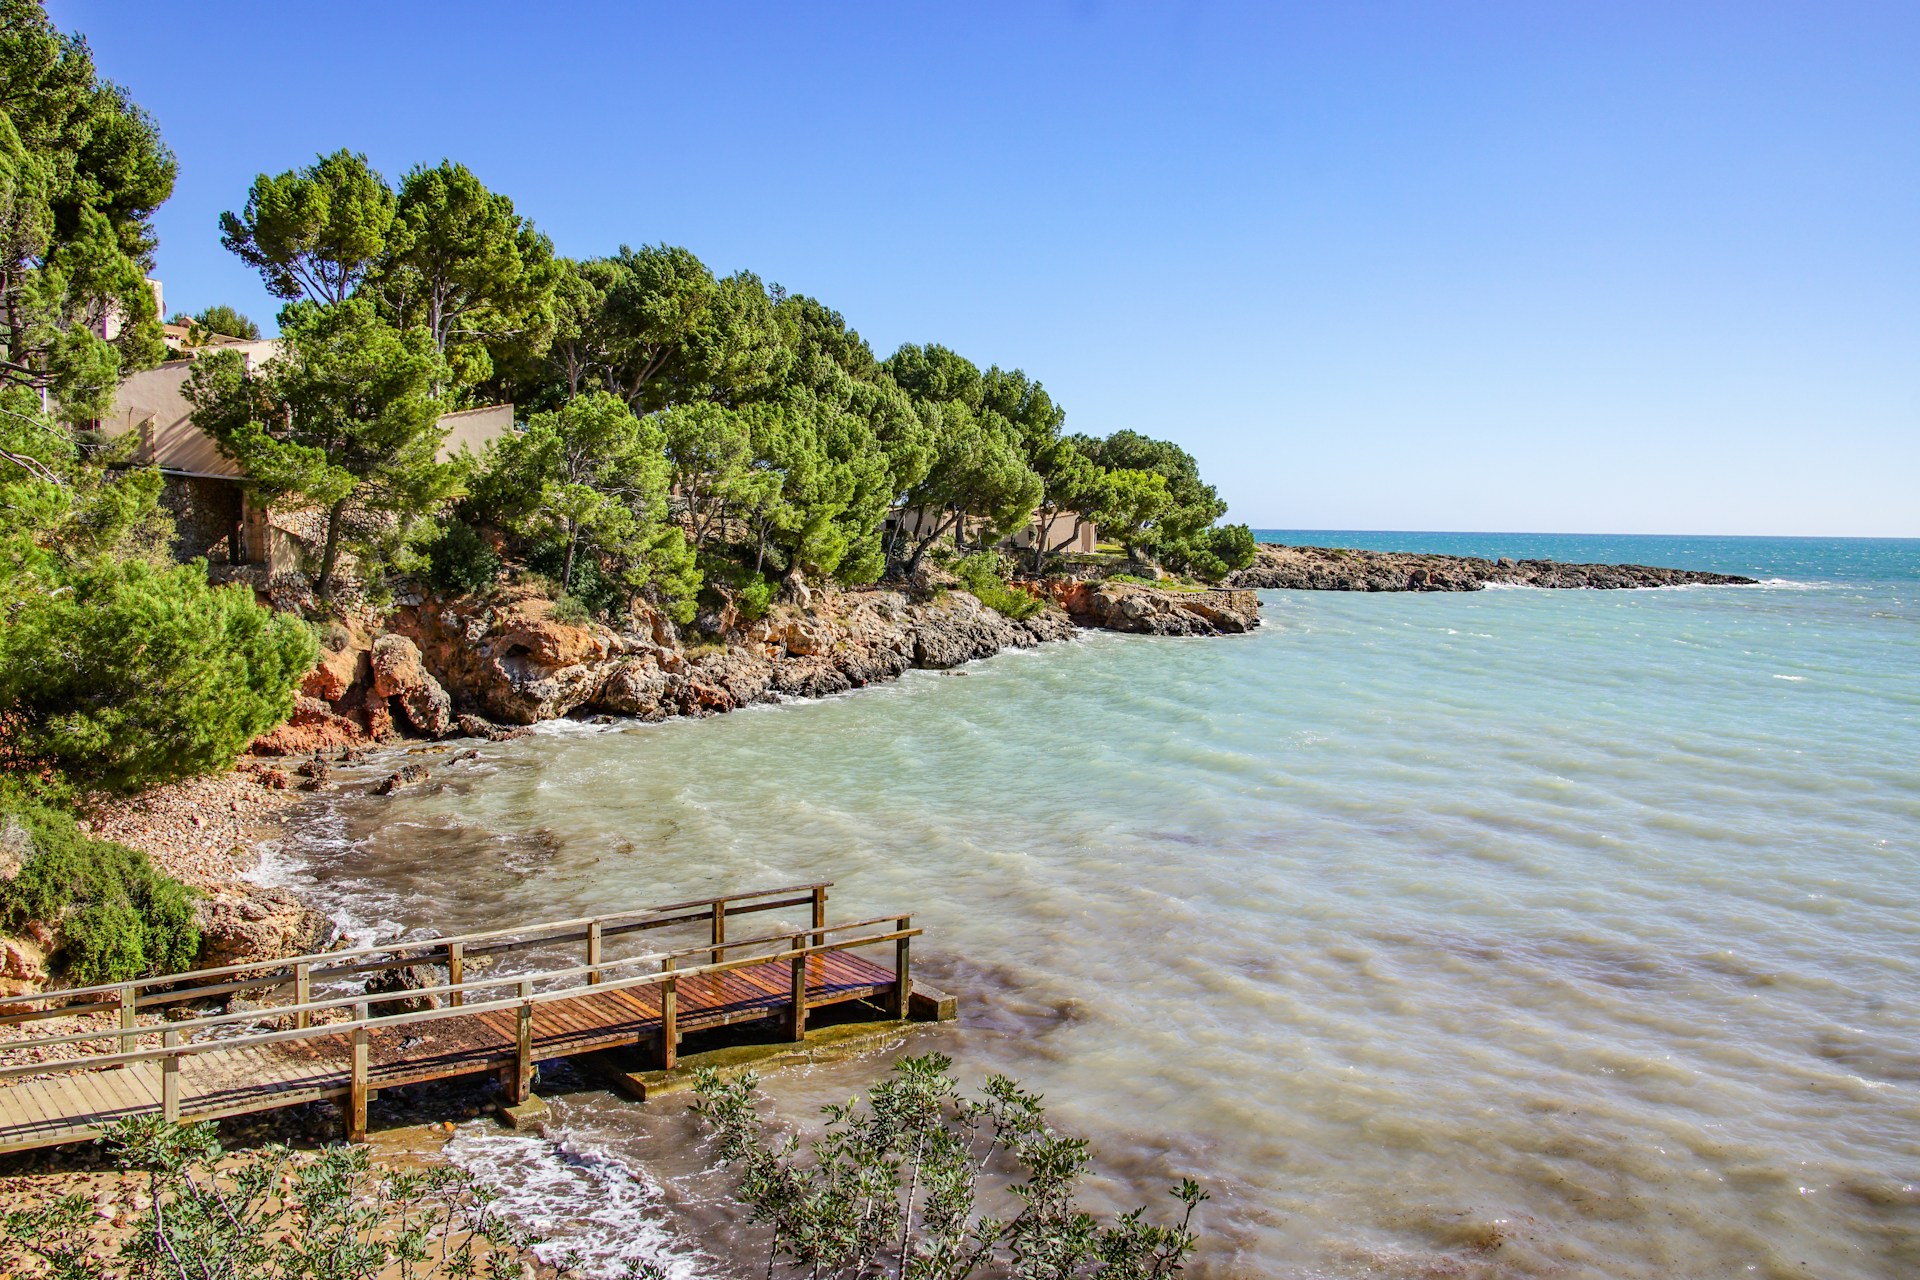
pixel 463 265
pixel 220 319
pixel 593 478
pixel 315 232
pixel 82 169
pixel 345 417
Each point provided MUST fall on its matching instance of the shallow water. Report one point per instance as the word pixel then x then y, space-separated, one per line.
pixel 1517 933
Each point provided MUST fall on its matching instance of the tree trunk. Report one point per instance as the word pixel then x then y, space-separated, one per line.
pixel 331 552
pixel 566 572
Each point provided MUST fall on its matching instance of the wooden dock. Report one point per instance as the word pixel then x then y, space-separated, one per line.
pixel 314 1027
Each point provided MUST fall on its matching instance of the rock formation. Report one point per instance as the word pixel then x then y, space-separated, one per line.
pixel 1339 569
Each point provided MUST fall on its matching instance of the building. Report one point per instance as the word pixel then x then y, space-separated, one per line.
pixel 1066 532
pixel 213 515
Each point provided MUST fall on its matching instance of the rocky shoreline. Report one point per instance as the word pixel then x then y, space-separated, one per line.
pixel 1342 569
pixel 478 666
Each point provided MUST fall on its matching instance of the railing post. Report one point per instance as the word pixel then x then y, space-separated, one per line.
pixel 129 1020
pixel 799 1026
pixel 357 1083
pixel 456 972
pixel 170 1078
pixel 669 1017
pixel 593 952
pixel 819 915
pixel 302 993
pixel 523 1047
pixel 902 978
pixel 719 929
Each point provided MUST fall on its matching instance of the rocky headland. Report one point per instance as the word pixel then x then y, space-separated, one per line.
pixel 1341 569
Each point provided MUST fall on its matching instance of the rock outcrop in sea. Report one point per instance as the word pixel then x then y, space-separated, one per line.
pixel 1341 569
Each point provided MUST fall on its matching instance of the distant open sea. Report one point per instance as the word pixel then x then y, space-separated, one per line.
pixel 1512 933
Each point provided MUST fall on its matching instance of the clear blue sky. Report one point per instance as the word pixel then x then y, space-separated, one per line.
pixel 1537 266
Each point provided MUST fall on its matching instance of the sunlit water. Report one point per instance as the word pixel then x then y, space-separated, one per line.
pixel 1515 933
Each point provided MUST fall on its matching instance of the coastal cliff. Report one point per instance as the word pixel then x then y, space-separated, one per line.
pixel 1341 569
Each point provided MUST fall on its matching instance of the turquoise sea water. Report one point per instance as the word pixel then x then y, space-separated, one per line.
pixel 1513 933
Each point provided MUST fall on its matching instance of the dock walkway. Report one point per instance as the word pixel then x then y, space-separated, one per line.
pixel 287 1046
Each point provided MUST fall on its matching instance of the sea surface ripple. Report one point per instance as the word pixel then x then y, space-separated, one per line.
pixel 1515 933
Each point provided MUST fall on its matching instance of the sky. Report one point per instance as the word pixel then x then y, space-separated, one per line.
pixel 1467 265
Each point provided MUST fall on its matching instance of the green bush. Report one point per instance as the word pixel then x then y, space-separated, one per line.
pixel 268 1212
pixel 983 575
pixel 921 1180
pixel 117 916
pixel 754 599
pixel 127 675
pixel 459 559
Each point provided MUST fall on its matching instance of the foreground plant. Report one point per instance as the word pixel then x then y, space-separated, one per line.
pixel 904 1186
pixel 266 1215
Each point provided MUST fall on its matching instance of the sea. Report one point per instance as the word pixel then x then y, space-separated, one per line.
pixel 1515 933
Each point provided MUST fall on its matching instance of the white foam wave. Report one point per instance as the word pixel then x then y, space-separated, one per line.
pixel 579 1198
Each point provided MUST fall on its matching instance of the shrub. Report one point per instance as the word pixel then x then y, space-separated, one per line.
pixel 118 917
pixel 592 587
pixel 269 1213
pixel 983 575
pixel 128 675
pixel 754 599
pixel 459 559
pixel 571 610
pixel 896 1187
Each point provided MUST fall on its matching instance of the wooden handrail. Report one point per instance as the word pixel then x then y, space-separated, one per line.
pixel 525 937
pixel 666 974
pixel 449 989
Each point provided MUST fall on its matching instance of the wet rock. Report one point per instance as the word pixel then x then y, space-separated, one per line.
pixel 480 727
pixel 404 776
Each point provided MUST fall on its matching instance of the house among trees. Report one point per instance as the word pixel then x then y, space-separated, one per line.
pixel 1064 532
pixel 204 489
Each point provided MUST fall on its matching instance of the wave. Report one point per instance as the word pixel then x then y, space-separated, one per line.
pixel 582 1199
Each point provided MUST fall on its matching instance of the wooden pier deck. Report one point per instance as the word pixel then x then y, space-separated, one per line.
pixel 210 1065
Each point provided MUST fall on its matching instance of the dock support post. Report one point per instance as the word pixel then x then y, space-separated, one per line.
pixel 902 978
pixel 129 1020
pixel 719 929
pixel 523 1049
pixel 170 1079
pixel 593 953
pixel 456 971
pixel 669 1018
pixel 302 993
pixel 799 1026
pixel 819 915
pixel 357 1084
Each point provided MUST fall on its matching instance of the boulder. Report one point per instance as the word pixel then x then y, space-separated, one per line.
pixel 639 687
pixel 314 726
pixel 240 923
pixel 401 676
pixel 413 977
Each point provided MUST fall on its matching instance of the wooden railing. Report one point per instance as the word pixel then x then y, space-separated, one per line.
pixel 301 972
pixel 459 996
